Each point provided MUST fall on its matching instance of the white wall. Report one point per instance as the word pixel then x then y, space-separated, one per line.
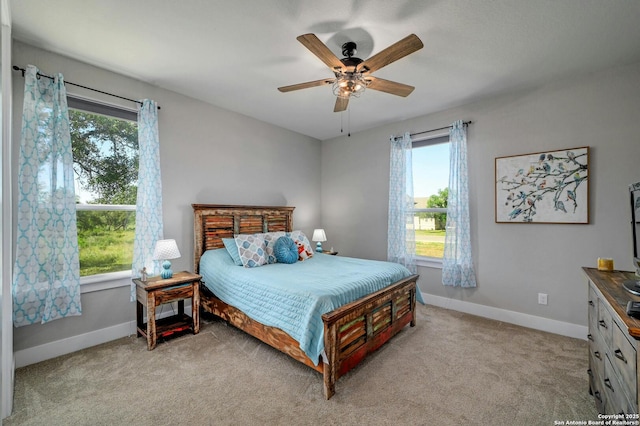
pixel 514 262
pixel 210 155
pixel 207 155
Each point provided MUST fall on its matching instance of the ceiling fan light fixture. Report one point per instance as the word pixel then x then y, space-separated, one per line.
pixel 349 84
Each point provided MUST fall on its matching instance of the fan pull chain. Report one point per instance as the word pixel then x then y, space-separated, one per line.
pixel 348 122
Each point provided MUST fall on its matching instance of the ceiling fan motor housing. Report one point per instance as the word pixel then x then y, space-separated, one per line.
pixel 348 50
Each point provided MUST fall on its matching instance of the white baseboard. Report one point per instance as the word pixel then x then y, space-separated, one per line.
pixel 82 341
pixel 512 317
pixel 71 344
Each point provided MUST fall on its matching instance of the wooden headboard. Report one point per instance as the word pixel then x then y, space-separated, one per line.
pixel 212 222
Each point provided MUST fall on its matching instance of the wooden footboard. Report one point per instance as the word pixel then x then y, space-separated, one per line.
pixel 355 330
pixel 351 332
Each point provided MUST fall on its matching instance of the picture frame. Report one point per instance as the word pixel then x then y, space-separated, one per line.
pixel 543 187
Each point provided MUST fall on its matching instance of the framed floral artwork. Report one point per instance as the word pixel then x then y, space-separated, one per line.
pixel 543 187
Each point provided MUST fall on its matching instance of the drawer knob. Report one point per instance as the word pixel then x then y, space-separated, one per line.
pixel 597 354
pixel 607 383
pixel 591 302
pixel 597 395
pixel 619 355
pixel 590 373
pixel 602 323
pixel 590 337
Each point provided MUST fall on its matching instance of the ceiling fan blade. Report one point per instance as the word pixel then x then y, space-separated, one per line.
pixel 306 85
pixel 318 48
pixel 396 51
pixel 388 86
pixel 341 104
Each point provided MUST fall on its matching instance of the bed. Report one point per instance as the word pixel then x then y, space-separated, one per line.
pixel 348 332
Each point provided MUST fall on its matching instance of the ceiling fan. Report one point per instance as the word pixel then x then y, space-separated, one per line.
pixel 353 75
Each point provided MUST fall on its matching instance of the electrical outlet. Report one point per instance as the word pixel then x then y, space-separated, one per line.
pixel 542 298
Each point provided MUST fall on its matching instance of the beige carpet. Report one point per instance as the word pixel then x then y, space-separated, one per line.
pixel 451 369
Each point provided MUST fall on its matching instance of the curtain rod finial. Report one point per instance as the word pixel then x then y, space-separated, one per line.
pixel 17 68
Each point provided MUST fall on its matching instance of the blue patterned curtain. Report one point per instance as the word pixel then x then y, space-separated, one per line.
pixel 457 262
pixel 149 199
pixel 401 241
pixel 46 275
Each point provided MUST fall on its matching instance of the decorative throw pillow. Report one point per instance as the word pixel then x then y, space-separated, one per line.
pixel 285 250
pixel 232 249
pixel 252 250
pixel 270 239
pixel 304 247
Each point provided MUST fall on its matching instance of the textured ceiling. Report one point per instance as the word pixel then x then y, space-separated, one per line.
pixel 235 54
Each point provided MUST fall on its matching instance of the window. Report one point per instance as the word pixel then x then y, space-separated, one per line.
pixel 105 159
pixel 430 182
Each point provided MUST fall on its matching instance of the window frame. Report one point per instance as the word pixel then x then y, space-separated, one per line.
pixel 97 282
pixel 430 140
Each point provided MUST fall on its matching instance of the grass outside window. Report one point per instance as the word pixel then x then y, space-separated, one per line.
pixel 102 249
pixel 430 248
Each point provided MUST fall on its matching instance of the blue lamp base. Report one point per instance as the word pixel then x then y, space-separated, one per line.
pixel 166 272
pixel 319 247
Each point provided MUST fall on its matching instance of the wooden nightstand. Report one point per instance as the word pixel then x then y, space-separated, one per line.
pixel 156 291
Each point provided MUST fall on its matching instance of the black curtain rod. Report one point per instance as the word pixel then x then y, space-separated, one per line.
pixel 464 123
pixel 17 68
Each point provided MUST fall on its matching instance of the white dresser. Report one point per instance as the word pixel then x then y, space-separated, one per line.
pixel 613 343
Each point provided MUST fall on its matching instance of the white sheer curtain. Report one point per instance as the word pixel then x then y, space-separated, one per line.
pixel 457 263
pixel 401 241
pixel 46 275
pixel 149 197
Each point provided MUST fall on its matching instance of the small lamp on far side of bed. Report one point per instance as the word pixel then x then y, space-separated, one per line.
pixel 165 250
pixel 320 237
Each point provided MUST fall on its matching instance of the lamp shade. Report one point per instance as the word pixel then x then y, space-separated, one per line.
pixel 166 249
pixel 319 235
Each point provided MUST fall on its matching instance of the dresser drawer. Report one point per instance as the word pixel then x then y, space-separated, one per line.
pixel 623 358
pixel 605 323
pixel 595 384
pixel 597 355
pixel 592 302
pixel 616 399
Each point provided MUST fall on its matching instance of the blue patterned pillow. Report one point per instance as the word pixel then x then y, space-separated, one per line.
pixel 252 250
pixel 285 250
pixel 269 241
pixel 232 249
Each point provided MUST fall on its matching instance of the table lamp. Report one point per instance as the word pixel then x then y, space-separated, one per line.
pixel 319 236
pixel 165 250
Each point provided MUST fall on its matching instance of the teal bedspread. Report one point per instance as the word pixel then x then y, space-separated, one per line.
pixel 294 297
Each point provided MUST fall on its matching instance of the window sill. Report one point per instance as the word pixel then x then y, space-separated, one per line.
pixel 108 281
pixel 429 262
